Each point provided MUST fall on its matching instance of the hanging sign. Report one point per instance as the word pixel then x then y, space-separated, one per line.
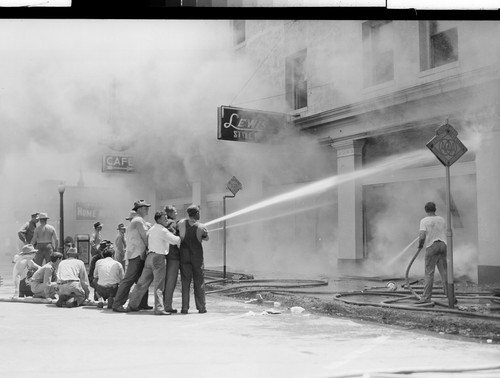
pixel 117 163
pixel 247 125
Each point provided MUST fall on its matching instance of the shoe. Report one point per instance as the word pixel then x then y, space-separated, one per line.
pixel 59 302
pixel 120 309
pixel 172 311
pixel 146 308
pixel 204 311
pixel 130 309
pixel 184 312
pixel 162 313
pixel 100 305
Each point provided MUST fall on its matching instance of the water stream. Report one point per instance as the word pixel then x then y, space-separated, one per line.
pixel 392 163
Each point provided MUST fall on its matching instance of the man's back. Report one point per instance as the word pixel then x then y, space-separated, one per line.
pixel 71 269
pixel 435 228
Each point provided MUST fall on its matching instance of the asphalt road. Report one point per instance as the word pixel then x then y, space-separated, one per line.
pixel 233 339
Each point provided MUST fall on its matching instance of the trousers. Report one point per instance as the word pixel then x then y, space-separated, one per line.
pixel 435 255
pixel 170 282
pixel 43 253
pixel 132 275
pixel 154 271
pixel 193 272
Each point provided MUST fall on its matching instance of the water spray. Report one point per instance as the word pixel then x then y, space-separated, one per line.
pixel 394 163
pixel 402 252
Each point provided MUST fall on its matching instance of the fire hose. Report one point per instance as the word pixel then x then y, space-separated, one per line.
pixel 408 270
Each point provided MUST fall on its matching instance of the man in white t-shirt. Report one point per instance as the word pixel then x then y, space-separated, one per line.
pixel 107 275
pixel 433 237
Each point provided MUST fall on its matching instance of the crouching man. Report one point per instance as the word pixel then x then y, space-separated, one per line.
pixel 44 280
pixel 72 280
pixel 107 275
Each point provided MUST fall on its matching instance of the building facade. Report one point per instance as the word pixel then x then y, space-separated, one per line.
pixel 371 91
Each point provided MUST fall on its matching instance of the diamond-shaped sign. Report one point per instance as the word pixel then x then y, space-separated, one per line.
pixel 446 145
pixel 234 185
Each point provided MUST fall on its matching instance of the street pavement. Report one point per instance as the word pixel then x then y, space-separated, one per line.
pixel 234 339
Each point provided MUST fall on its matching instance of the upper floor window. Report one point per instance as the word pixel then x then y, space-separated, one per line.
pixel 296 80
pixel 378 52
pixel 239 31
pixel 438 43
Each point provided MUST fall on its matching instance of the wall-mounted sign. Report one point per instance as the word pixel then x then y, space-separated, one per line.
pixel 89 211
pixel 248 125
pixel 117 163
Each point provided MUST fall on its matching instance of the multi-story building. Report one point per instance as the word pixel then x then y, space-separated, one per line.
pixel 371 91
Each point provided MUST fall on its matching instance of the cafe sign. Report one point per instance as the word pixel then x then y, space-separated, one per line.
pixel 117 163
pixel 248 125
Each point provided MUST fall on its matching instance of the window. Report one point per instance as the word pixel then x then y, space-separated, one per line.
pixel 378 52
pixel 296 81
pixel 239 31
pixel 438 43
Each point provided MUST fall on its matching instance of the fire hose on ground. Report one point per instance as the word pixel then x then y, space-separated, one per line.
pixel 286 286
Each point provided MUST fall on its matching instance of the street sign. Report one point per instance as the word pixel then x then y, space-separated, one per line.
pixel 248 125
pixel 446 145
pixel 234 185
pixel 448 149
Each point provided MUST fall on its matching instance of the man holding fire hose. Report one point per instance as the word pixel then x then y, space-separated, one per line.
pixel 433 237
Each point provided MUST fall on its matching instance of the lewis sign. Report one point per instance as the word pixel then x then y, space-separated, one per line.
pixel 247 125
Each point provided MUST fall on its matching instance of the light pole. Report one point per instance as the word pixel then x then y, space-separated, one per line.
pixel 61 188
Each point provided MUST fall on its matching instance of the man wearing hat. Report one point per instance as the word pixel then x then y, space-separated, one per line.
pixel 72 281
pixel 192 234
pixel 96 238
pixel 23 265
pixel 26 232
pixel 44 239
pixel 120 245
pixel 137 244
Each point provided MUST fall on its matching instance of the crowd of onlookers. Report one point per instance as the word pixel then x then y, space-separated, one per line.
pixel 119 273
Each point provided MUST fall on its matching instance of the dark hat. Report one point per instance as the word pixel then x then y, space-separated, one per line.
pixel 140 203
pixel 104 244
pixel 43 216
pixel 97 224
pixel 35 214
pixel 121 226
pixel 193 210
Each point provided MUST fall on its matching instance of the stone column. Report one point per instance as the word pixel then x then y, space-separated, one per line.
pixel 488 206
pixel 199 197
pixel 350 206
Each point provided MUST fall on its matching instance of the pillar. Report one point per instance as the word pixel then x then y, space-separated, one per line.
pixel 488 206
pixel 199 197
pixel 350 206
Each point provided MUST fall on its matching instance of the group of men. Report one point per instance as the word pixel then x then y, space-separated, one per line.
pixel 142 254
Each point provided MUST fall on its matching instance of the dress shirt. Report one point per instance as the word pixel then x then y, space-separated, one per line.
pixel 26 232
pixel 136 238
pixel 108 272
pixel 72 269
pixel 44 274
pixel 159 239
